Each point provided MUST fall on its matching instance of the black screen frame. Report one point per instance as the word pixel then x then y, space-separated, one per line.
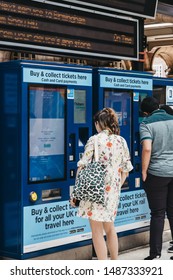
pixel 146 9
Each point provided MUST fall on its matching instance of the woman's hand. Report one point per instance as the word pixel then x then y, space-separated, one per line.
pixel 124 175
pixel 79 169
pixel 72 202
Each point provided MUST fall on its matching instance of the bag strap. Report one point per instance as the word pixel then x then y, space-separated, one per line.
pixel 96 154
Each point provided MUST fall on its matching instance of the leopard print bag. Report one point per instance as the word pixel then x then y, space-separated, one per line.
pixel 90 181
pixel 89 185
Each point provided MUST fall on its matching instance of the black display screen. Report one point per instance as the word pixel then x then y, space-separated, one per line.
pixel 54 29
pixel 142 8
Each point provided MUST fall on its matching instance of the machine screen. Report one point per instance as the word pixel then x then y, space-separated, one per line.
pixel 46 133
pixel 120 101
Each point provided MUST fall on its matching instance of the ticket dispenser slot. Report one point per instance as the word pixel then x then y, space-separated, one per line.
pixel 72 153
pixel 72 141
pixel 51 194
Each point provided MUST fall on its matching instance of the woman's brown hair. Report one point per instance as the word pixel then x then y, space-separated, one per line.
pixel 107 119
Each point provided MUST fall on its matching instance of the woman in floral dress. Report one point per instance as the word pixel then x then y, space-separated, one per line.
pixel 114 154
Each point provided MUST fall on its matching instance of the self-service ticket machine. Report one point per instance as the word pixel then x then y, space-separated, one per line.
pixel 45 121
pixel 163 90
pixel 123 91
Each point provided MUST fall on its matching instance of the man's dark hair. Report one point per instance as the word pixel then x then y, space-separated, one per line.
pixel 149 104
pixel 167 108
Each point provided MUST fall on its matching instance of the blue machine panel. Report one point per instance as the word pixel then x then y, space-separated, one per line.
pixel 46 119
pixel 163 90
pixel 123 91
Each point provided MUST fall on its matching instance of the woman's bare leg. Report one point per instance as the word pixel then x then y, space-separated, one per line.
pixel 98 240
pixel 112 239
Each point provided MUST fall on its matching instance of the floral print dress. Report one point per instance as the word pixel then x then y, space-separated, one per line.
pixel 114 154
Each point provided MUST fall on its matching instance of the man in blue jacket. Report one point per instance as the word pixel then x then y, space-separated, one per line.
pixel 156 135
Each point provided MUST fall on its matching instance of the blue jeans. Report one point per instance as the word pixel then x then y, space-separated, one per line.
pixel 159 191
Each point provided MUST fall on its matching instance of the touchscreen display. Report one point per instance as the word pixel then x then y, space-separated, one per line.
pixel 46 133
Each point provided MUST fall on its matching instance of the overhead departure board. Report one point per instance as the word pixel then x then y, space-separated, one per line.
pixel 55 29
pixel 140 8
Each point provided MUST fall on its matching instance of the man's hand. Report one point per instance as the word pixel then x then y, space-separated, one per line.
pixel 144 176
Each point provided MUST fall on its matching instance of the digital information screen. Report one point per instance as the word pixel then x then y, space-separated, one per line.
pixel 46 133
pixel 140 8
pixel 40 27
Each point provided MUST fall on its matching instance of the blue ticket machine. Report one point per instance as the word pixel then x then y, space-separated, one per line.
pixel 163 90
pixel 123 91
pixel 45 121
